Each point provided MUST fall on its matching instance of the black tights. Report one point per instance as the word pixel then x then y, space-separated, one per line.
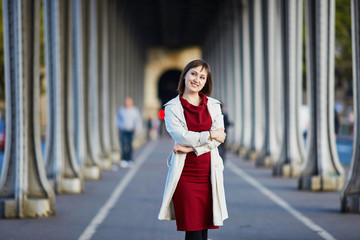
pixel 196 235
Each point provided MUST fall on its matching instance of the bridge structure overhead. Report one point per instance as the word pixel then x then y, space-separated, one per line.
pixel 96 53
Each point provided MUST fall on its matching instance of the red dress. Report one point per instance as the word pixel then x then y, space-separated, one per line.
pixel 192 198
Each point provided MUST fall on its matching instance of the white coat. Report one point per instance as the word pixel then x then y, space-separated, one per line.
pixel 176 126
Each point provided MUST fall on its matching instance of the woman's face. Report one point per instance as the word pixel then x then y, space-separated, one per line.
pixel 195 79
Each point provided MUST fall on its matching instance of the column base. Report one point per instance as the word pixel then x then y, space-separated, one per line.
pixel 265 161
pixel 287 170
pixel 243 151
pixel 235 148
pixel 321 183
pixel 139 141
pixel 350 203
pixel 71 185
pixel 32 208
pixel 115 156
pixel 105 164
pixel 254 155
pixel 92 173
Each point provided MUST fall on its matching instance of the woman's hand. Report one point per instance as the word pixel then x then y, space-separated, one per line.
pixel 218 134
pixel 178 148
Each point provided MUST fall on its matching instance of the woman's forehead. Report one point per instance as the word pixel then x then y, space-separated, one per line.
pixel 199 69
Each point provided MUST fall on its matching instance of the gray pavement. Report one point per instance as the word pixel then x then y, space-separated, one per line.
pixel 252 215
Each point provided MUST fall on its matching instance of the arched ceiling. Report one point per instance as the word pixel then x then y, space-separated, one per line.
pixel 172 23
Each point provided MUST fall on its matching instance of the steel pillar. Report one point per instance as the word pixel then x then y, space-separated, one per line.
pixel 292 151
pixel 323 171
pixel 246 75
pixel 350 196
pixel 256 68
pixel 92 95
pixel 114 139
pixel 229 69
pixel 104 87
pixel 61 165
pixel 92 163
pixel 270 147
pixel 238 91
pixel 24 189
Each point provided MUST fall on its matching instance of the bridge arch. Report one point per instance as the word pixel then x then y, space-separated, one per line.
pixel 159 61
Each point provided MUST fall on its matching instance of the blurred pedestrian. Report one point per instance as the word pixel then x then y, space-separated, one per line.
pixel 129 123
pixel 194 191
pixel 227 124
pixel 148 128
pixel 336 123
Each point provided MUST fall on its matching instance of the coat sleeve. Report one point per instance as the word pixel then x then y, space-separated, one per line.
pixel 179 133
pixel 217 122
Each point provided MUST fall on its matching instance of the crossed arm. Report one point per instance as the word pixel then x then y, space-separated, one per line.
pixel 198 142
pixel 218 135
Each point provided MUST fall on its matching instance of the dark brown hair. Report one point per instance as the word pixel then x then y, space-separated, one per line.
pixel 193 64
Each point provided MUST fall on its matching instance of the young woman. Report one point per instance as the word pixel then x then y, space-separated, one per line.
pixel 194 191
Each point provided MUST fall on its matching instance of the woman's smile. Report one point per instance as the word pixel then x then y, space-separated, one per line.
pixel 195 79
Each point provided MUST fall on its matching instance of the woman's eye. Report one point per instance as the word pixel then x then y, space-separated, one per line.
pixel 193 73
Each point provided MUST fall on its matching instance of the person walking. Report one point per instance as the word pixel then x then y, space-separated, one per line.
pixel 227 124
pixel 194 193
pixel 129 123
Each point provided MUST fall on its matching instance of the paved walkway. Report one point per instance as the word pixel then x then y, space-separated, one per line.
pixel 124 205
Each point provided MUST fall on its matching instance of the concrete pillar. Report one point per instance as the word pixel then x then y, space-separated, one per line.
pixel 229 69
pixel 257 88
pixel 323 171
pixel 291 157
pixel 238 93
pixel 278 117
pixel 24 189
pixel 114 139
pixel 270 145
pixel 93 90
pixel 350 196
pixel 80 83
pixel 92 163
pixel 61 165
pixel 104 86
pixel 246 76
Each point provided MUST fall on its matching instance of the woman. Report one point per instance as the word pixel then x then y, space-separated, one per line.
pixel 194 192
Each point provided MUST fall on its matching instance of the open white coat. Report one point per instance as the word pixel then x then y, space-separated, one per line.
pixel 176 126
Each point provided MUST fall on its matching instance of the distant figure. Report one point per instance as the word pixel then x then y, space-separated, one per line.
pixel 227 123
pixel 194 191
pixel 129 122
pixel 336 123
pixel 148 128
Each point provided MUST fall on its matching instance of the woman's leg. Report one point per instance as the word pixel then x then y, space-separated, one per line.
pixel 193 235
pixel 204 234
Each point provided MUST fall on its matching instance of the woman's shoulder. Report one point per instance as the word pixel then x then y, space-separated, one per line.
pixel 213 101
pixel 174 101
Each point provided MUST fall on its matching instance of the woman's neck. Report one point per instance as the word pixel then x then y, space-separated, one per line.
pixel 193 98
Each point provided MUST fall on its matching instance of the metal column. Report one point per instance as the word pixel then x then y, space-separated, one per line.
pixel 350 196
pixel 246 81
pixel 238 91
pixel 24 188
pixel 270 145
pixel 323 170
pixel 292 151
pixel 61 165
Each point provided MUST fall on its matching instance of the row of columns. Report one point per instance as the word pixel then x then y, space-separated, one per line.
pixel 93 62
pixel 262 91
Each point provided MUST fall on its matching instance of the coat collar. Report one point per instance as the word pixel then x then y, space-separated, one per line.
pixel 176 107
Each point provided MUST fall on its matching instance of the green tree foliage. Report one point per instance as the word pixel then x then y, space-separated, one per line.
pixel 2 61
pixel 343 53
